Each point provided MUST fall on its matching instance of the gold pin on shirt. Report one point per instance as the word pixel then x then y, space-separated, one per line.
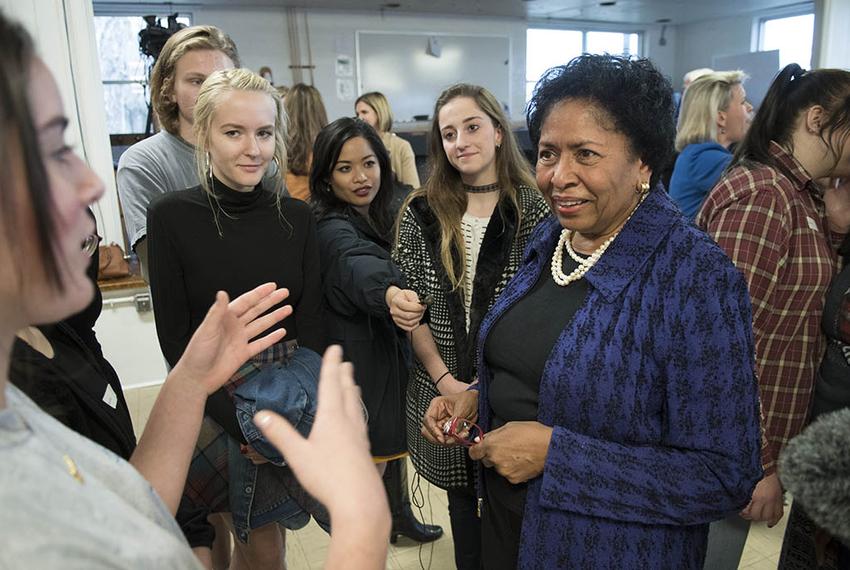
pixel 72 469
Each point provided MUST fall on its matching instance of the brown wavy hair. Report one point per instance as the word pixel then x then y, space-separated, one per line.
pixel 162 76
pixel 444 191
pixel 306 115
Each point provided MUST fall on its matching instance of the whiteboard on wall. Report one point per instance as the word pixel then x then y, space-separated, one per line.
pixel 398 65
pixel 761 66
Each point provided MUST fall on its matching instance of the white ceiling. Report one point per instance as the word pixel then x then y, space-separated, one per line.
pixel 624 11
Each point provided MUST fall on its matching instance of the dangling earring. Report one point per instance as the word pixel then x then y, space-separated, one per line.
pixel 209 170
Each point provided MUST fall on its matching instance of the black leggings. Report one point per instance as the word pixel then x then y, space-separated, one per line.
pixel 466 528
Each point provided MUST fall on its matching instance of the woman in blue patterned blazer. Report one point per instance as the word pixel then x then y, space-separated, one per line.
pixel 617 392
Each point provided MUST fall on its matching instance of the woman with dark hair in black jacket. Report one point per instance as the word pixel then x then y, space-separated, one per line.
pixel 356 202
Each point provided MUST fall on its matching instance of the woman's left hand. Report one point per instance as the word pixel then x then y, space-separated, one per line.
pixel 836 197
pixel 223 341
pixel 517 450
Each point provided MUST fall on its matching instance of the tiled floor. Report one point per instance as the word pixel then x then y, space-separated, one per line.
pixel 307 548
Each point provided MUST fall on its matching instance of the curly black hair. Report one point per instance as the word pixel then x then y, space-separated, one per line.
pixel 636 97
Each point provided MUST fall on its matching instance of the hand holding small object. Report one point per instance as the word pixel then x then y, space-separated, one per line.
pixel 442 409
pixel 405 308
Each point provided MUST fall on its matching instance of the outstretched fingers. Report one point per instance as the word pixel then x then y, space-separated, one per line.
pixel 258 300
pixel 259 325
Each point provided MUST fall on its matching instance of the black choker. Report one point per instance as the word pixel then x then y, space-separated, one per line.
pixel 481 189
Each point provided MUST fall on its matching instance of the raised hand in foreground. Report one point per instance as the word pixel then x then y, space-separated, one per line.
pixel 334 465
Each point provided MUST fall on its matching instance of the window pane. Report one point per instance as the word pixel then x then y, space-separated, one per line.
pixel 633 45
pixel 614 43
pixel 792 37
pixel 548 48
pixel 118 47
pixel 121 60
pixel 126 108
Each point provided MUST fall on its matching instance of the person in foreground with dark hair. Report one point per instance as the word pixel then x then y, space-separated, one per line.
pixel 61 367
pixel 782 229
pixel 68 502
pixel 356 204
pixel 609 436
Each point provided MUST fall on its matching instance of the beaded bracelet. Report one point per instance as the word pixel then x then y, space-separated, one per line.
pixel 446 373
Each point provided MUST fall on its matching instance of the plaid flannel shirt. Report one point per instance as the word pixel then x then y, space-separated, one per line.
pixel 772 224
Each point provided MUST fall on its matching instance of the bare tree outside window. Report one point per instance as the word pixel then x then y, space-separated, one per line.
pixel 125 72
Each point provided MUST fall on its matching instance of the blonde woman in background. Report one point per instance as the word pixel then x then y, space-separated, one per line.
pixel 715 115
pixel 306 116
pixel 374 108
pixel 230 233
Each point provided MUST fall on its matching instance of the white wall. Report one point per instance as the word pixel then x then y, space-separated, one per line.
pixel 261 36
pixel 129 340
pixel 831 25
pixel 699 43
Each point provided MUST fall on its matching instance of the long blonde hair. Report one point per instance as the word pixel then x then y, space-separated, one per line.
pixel 444 188
pixel 703 100
pixel 162 76
pixel 214 88
pixel 306 114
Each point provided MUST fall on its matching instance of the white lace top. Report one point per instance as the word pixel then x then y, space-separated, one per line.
pixel 473 235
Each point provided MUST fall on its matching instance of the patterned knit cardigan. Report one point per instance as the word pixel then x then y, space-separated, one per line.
pixel 417 253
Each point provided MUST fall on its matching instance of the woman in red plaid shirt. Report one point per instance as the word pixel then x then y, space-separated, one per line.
pixel 782 228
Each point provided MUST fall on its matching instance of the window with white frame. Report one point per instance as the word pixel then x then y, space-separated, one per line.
pixel 124 71
pixel 792 35
pixel 547 48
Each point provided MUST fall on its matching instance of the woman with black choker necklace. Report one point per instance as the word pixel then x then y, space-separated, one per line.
pixel 232 232
pixel 460 239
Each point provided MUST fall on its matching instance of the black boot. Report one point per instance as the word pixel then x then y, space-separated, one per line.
pixel 404 521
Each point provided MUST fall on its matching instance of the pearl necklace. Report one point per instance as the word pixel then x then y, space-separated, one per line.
pixel 584 264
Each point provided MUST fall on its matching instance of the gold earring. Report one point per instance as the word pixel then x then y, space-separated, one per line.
pixel 642 188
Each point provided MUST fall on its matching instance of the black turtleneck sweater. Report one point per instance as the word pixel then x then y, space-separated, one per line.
pixel 190 260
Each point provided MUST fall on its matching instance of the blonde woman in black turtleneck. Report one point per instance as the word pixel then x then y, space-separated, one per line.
pixel 460 239
pixel 231 233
